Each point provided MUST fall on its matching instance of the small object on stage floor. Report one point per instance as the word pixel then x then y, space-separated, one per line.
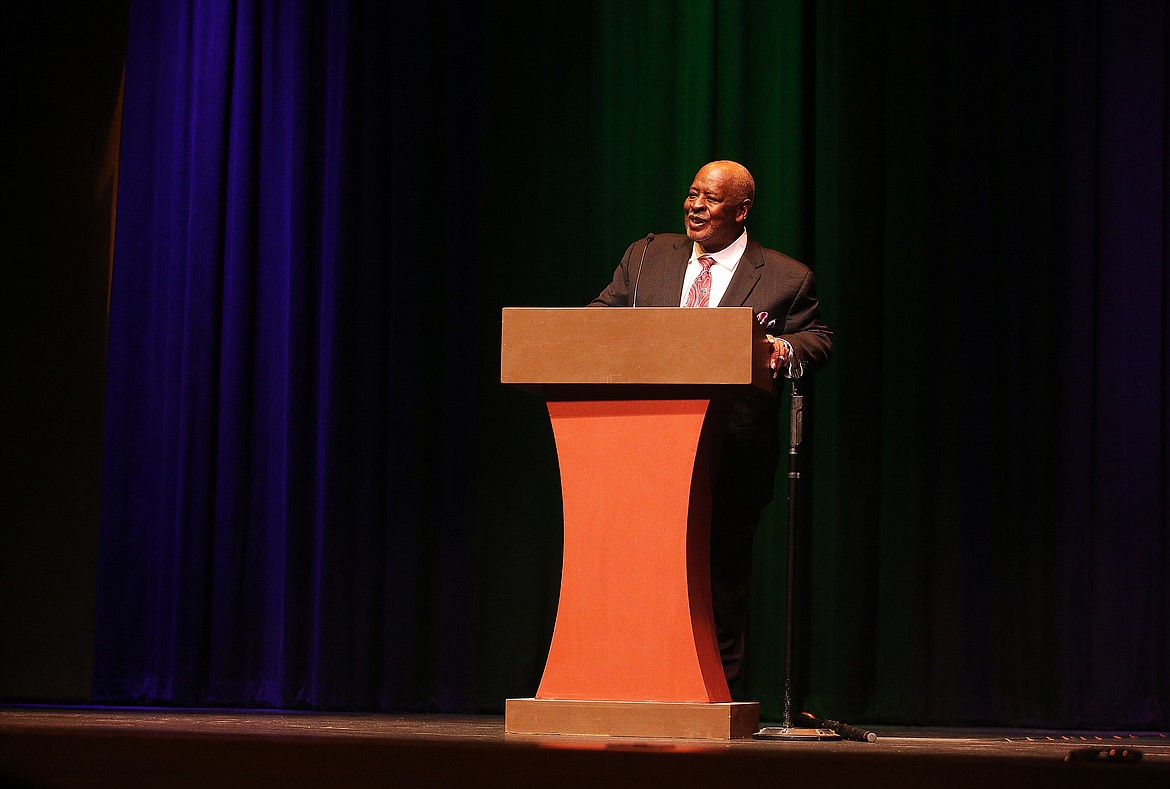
pixel 844 729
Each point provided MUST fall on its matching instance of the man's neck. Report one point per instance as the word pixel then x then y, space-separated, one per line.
pixel 740 240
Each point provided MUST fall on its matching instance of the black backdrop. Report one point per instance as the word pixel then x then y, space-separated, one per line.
pixel 980 188
pixel 61 121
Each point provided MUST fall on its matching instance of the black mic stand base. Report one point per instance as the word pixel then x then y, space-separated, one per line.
pixel 795 733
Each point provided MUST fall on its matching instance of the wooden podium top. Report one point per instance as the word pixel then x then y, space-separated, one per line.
pixel 638 346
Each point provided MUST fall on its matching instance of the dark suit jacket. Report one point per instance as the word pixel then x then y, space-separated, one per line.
pixel 781 292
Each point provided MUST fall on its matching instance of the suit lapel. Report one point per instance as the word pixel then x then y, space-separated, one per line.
pixel 676 270
pixel 746 275
pixel 671 267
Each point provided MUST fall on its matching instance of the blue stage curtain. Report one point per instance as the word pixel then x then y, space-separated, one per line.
pixel 283 521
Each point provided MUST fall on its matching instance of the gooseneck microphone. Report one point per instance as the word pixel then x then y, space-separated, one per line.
pixel 649 238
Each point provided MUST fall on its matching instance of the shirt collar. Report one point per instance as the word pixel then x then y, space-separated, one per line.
pixel 728 257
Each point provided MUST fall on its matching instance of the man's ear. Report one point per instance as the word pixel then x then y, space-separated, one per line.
pixel 742 212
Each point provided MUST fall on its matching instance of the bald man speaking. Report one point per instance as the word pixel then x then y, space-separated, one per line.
pixel 716 264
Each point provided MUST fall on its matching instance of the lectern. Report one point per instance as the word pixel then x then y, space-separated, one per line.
pixel 639 400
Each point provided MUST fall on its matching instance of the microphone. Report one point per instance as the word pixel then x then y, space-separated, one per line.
pixel 846 731
pixel 649 238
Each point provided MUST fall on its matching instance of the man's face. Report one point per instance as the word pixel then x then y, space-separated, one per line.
pixel 715 209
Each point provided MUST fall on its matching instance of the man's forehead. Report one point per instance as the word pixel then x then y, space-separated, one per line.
pixel 712 180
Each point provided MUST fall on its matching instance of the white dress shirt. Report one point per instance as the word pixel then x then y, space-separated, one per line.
pixel 721 270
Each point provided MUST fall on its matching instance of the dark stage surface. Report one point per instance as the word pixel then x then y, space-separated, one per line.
pixel 58 747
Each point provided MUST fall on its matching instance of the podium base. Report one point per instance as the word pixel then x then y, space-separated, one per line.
pixel 737 720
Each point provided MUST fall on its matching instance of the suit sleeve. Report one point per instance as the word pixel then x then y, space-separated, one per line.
pixel 804 330
pixel 617 293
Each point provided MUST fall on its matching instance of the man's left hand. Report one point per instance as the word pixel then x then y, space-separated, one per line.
pixel 779 358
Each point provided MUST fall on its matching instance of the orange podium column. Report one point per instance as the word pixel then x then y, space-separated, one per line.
pixel 638 420
pixel 634 617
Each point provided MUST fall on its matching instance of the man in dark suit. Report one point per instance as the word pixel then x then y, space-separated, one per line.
pixel 717 264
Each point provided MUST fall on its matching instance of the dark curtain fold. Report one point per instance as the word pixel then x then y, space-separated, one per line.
pixel 317 494
pixel 990 529
pixel 61 125
pixel 1116 415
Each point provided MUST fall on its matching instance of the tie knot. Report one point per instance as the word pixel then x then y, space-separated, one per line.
pixel 706 261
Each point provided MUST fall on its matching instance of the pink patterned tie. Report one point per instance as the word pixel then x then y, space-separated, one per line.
pixel 700 293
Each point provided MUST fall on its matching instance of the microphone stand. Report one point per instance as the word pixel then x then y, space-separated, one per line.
pixel 819 729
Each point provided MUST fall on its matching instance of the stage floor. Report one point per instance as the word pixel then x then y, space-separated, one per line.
pixel 108 747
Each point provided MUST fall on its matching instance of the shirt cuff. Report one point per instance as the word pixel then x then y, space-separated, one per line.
pixel 793 367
